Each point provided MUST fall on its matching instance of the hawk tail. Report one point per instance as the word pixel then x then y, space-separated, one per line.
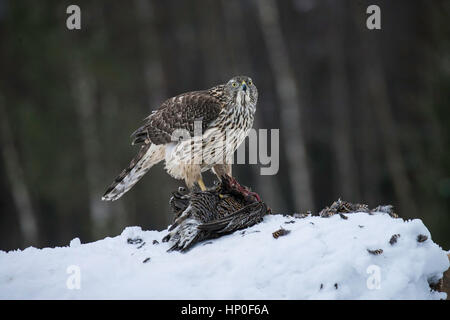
pixel 148 156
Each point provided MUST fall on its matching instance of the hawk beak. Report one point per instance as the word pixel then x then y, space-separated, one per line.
pixel 244 86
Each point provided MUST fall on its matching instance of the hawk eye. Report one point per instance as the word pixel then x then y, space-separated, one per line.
pixel 234 84
pixel 250 82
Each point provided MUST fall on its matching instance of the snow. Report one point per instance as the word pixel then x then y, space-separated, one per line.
pixel 321 258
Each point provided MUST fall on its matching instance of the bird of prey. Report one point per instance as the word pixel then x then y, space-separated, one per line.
pixel 223 115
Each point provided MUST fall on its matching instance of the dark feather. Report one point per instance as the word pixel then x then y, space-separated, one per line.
pixel 127 170
pixel 179 112
pixel 206 215
pixel 246 216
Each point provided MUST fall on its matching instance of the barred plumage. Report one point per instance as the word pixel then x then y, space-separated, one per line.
pixel 226 113
pixel 206 215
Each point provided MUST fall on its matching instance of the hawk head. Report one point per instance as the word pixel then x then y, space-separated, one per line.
pixel 241 91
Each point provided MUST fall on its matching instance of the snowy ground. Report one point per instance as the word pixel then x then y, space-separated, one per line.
pixel 321 258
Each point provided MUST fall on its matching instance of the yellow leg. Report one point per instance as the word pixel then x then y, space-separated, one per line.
pixel 201 184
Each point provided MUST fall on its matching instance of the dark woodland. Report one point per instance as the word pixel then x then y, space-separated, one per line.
pixel 363 114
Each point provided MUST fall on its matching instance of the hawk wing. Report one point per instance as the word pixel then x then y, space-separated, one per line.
pixel 179 112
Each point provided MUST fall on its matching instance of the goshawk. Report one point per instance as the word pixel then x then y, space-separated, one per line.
pixel 192 132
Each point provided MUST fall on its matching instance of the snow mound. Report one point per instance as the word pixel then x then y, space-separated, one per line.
pixel 320 258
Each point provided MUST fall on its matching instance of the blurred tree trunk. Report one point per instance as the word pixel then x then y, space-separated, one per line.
pixel 290 106
pixel 372 76
pixel 117 213
pixel 149 41
pixel 241 61
pixel 212 48
pixel 346 167
pixel 83 94
pixel 369 146
pixel 15 174
pixel 368 141
pixel 380 103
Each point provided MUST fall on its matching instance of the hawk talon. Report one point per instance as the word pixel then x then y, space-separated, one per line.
pixel 201 184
